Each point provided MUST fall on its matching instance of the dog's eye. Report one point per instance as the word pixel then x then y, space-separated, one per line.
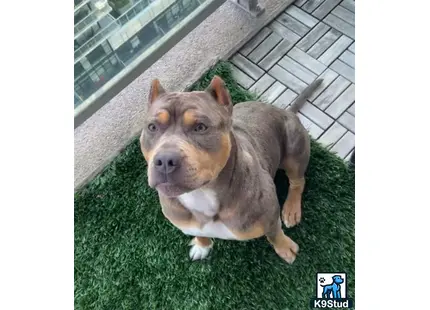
pixel 152 127
pixel 200 127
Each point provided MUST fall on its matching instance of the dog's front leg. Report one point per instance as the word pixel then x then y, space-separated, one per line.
pixel 200 248
pixel 286 248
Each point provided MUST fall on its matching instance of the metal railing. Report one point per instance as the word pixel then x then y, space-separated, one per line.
pixel 90 20
pixel 146 59
pixel 96 40
pixel 133 11
pixel 128 15
pixel 81 4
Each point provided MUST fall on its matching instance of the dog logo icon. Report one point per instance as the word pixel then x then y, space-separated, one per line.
pixel 331 291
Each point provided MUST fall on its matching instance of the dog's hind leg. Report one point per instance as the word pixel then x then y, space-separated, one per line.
pixel 295 164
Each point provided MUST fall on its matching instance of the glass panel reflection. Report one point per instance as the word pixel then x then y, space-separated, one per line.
pixel 109 35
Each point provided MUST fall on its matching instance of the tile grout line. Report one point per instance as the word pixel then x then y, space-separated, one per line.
pixel 237 68
pixel 347 8
pixel 329 147
pixel 329 28
pixel 301 36
pixel 342 18
pixel 315 8
pixel 346 110
pixel 345 64
pixel 335 120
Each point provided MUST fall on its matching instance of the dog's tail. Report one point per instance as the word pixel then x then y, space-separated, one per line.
pixel 305 94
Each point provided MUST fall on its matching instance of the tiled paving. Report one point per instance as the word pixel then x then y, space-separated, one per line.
pixel 311 39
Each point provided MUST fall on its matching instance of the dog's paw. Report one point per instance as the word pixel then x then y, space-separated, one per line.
pixel 291 214
pixel 198 251
pixel 289 252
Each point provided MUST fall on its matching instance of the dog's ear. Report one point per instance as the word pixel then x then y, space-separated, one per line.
pixel 218 90
pixel 155 91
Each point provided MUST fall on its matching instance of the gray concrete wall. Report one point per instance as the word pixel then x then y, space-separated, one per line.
pixel 104 135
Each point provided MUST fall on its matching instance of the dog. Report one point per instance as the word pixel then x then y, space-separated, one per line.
pixel 332 290
pixel 213 165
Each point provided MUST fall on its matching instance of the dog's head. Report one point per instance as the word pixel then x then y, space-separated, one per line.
pixel 186 137
pixel 337 279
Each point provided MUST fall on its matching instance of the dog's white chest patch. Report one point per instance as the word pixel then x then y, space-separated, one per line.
pixel 205 201
pixel 201 200
pixel 211 230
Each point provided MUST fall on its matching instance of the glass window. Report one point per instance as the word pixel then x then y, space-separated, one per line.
pixel 135 42
pixel 112 39
pixel 79 69
pixel 97 54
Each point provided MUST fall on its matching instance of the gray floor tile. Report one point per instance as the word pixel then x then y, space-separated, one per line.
pixel 262 84
pixel 342 102
pixel 285 99
pixel 345 145
pixel 348 157
pixel 325 8
pixel 344 70
pixel 255 41
pixel 341 25
pixel 351 110
pixel 293 24
pixel 316 115
pixel 284 32
pixel 274 55
pixel 328 77
pixel 312 128
pixel 352 48
pixel 335 50
pixel 297 69
pixel 344 14
pixel 348 58
pixel 349 5
pixel 247 66
pixel 244 80
pixel 265 47
pixel 299 2
pixel 311 5
pixel 301 16
pixel 324 43
pixel 332 135
pixel 306 60
pixel 273 92
pixel 331 93
pixel 348 121
pixel 312 37
pixel 287 79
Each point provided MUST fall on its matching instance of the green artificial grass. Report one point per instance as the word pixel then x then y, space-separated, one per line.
pixel 128 256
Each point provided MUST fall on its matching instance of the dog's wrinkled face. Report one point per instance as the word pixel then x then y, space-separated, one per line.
pixel 186 137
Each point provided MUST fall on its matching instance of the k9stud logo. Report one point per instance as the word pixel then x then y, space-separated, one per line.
pixel 331 291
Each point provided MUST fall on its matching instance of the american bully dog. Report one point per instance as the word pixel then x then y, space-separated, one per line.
pixel 213 165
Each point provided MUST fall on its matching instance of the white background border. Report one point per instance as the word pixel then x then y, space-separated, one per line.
pixel 36 157
pixel 392 171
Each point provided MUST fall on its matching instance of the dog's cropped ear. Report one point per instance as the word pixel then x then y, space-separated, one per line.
pixel 218 90
pixel 156 91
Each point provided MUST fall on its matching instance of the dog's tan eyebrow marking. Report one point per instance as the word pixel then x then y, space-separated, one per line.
pixel 189 118
pixel 163 117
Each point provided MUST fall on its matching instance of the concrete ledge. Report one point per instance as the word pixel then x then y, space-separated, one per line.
pixel 104 135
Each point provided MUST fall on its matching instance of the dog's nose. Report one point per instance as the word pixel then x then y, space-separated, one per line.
pixel 167 162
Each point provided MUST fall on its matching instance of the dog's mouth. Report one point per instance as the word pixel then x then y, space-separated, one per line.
pixel 171 190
